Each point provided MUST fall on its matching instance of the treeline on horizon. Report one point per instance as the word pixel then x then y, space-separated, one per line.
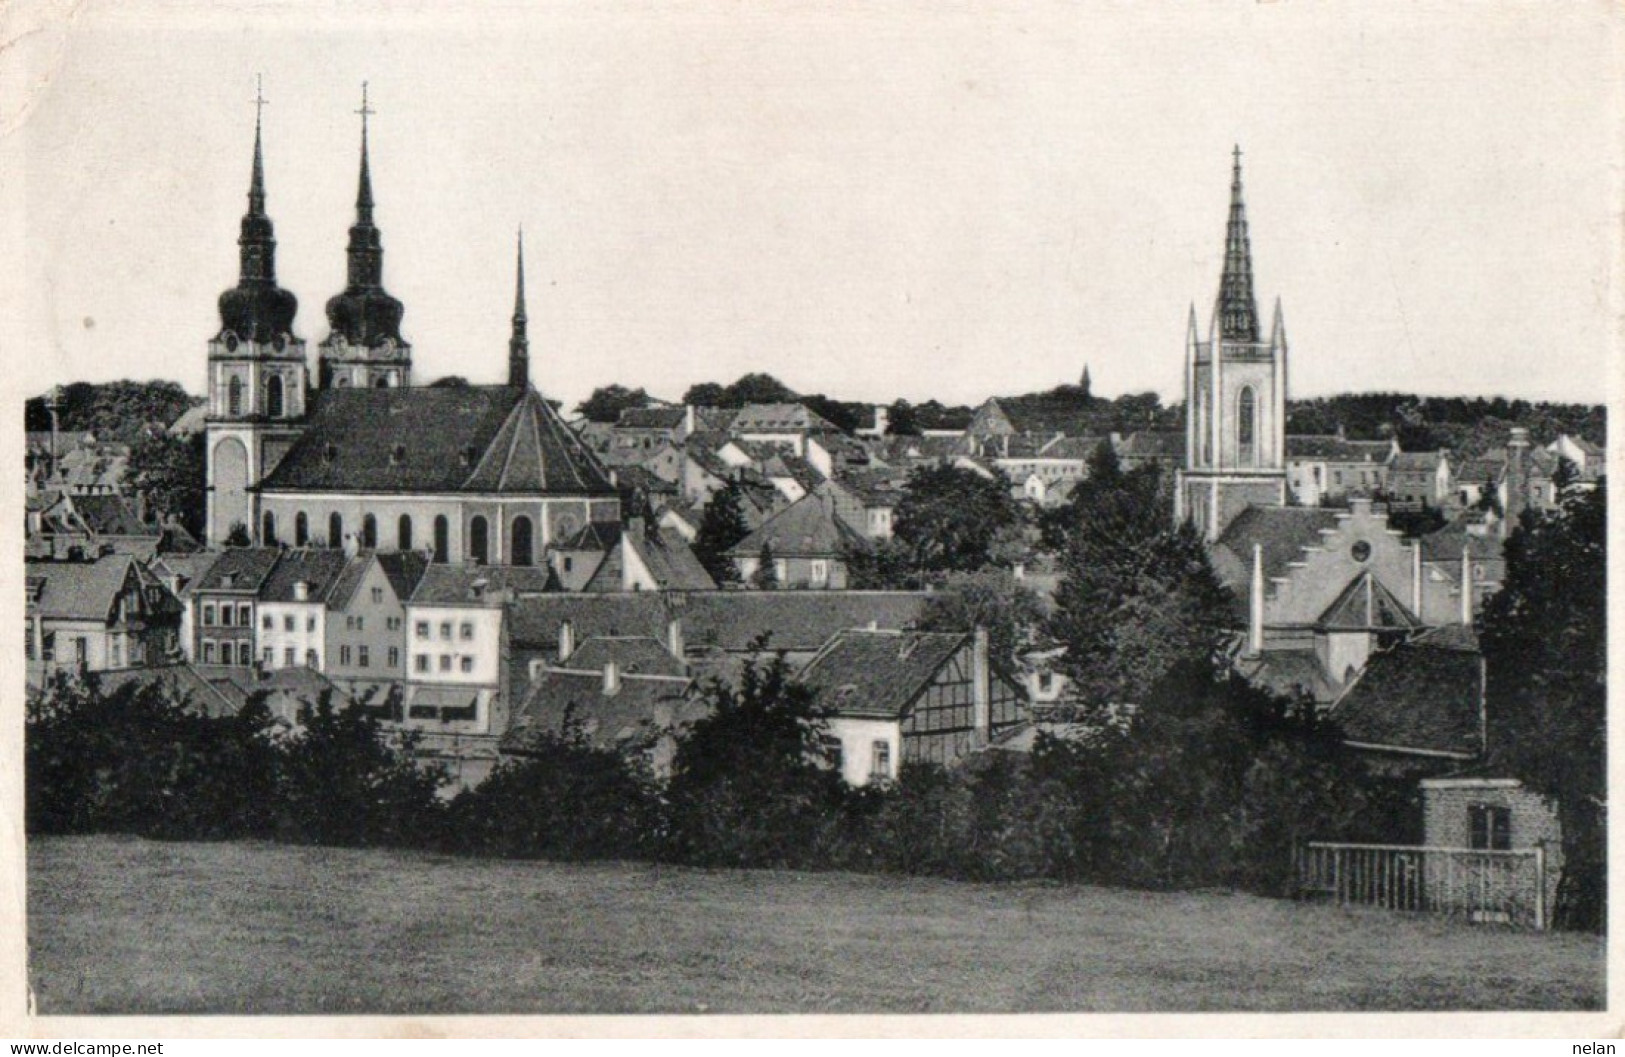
pixel 124 410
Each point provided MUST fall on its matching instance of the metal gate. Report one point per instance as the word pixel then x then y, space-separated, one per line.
pixel 1472 883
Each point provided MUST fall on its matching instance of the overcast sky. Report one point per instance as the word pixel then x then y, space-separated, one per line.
pixel 868 200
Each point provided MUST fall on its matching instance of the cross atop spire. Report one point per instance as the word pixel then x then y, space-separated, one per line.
pixel 256 183
pixel 1238 312
pixel 363 194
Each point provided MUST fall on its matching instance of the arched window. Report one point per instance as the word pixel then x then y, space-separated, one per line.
pixel 369 531
pixel 267 529
pixel 519 546
pixel 442 539
pixel 273 396
pixel 234 396
pixel 381 382
pixel 403 533
pixel 301 529
pixel 476 540
pixel 1247 427
pixel 335 530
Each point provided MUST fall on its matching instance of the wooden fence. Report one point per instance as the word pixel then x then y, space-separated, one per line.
pixel 1475 884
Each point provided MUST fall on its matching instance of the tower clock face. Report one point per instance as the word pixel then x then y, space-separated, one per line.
pixel 1361 551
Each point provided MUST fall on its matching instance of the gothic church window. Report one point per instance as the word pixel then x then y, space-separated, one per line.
pixel 477 542
pixel 520 548
pixel 234 396
pixel 301 529
pixel 1246 426
pixel 273 396
pixel 335 530
pixel 268 529
pixel 403 533
pixel 442 545
pixel 369 531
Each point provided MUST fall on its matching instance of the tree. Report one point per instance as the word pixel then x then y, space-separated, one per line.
pixel 758 388
pixel 844 415
pixel 115 411
pixel 450 381
pixel 751 784
pixel 766 576
pixel 901 420
pixel 170 473
pixel 949 518
pixel 1545 642
pixel 992 599
pixel 237 535
pixel 722 525
pixel 705 394
pixel 1137 594
pixel 1564 475
pixel 607 402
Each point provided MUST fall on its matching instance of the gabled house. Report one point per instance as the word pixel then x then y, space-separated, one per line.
pixel 366 622
pixel 1418 479
pixel 808 543
pixel 1591 460
pixel 1418 706
pixel 292 609
pixel 576 558
pixel 866 500
pixel 645 560
pixel 892 697
pixel 1331 468
pixel 223 603
pixel 786 425
pixel 640 714
pixel 1148 447
pixel 95 616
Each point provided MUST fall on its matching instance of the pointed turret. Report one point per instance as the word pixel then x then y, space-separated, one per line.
pixel 1278 327
pixel 256 309
pixel 1238 312
pixel 365 314
pixel 518 341
pixel 1085 384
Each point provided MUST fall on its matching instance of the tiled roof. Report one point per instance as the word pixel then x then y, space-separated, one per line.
pixel 1415 461
pixel 1149 444
pixel 1336 449
pixel 1283 532
pixel 806 528
pixel 1366 604
pixel 877 674
pixel 593 536
pixel 1446 544
pixel 404 570
pixel 1288 673
pixel 1045 416
pixel 641 477
pixel 454 585
pixel 1422 695
pixel 185 683
pixel 652 417
pixel 800 621
pixel 899 448
pixel 498 439
pixel 560 701
pixel 320 568
pixel 633 653
pixel 670 561
pixel 186 567
pixel 239 569
pixel 77 590
pixel 873 488
pixel 110 515
pixel 769 418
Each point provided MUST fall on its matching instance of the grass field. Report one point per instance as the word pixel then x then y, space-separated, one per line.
pixel 125 925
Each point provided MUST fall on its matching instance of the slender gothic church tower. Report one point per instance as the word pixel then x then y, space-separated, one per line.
pixel 257 375
pixel 1235 396
pixel 365 349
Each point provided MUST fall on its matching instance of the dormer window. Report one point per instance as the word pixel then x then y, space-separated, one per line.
pixel 397 455
pixel 330 452
pixel 468 455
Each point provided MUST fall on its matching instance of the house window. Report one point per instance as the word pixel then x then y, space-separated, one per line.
pixel 361 657
pixel 208 616
pixel 267 655
pixel 288 656
pixel 833 751
pixel 445 630
pixel 820 571
pixel 360 623
pixel 423 629
pixel 344 655
pixel 312 660
pixel 467 664
pixel 1046 682
pixel 208 651
pixel 392 623
pixel 310 623
pixel 118 656
pixel 466 630
pixel 265 621
pixel 225 616
pixel 245 616
pixel 445 662
pixel 421 662
pixel 880 765
pixel 1489 828
pixel 394 657
pixel 287 622
pixel 244 656
pixel 377 595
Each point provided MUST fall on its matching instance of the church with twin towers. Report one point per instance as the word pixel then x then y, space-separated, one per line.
pixel 355 455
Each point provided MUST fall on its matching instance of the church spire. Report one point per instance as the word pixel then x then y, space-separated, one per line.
pixel 518 342
pixel 364 314
pixel 256 309
pixel 1238 312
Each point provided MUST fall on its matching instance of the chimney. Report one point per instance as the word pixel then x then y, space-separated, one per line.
pixel 1416 578
pixel 567 640
pixel 981 687
pixel 1255 604
pixel 1517 476
pixel 674 638
pixel 1466 586
pixel 688 419
pixel 612 678
pixel 301 591
pixel 352 544
pixel 536 667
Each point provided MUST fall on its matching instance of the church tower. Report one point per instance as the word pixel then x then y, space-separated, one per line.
pixel 365 348
pixel 257 375
pixel 1235 395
